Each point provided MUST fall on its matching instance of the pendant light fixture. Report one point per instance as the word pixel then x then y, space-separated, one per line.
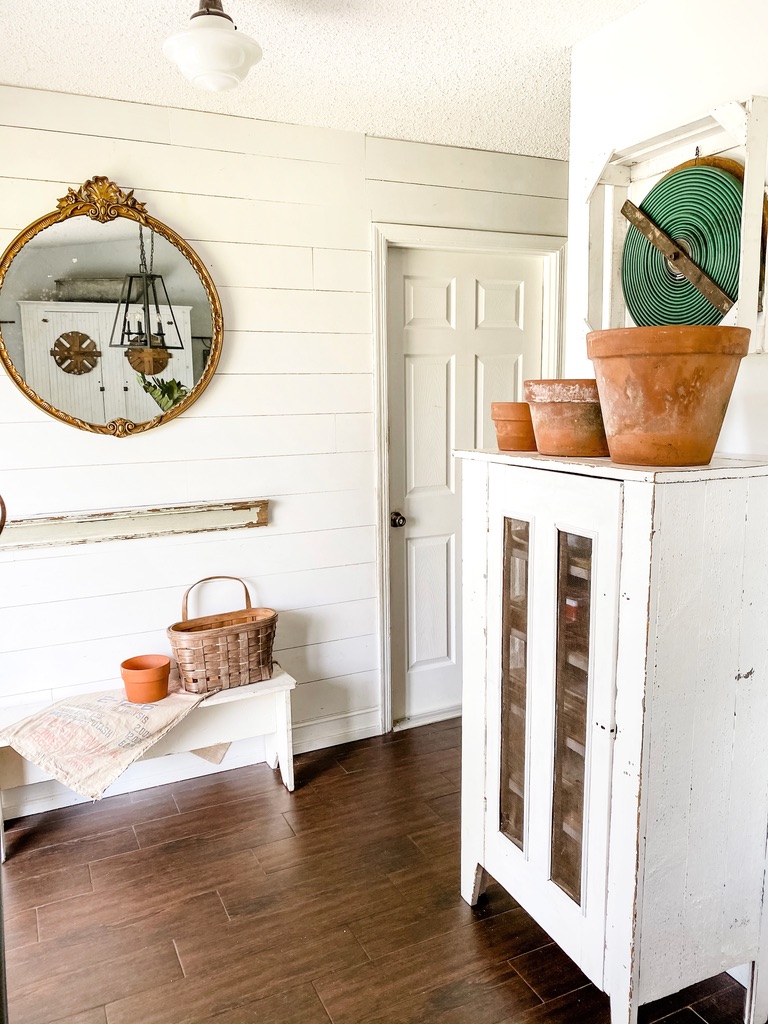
pixel 210 52
pixel 144 302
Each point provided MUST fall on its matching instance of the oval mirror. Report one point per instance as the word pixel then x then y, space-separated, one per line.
pixel 110 321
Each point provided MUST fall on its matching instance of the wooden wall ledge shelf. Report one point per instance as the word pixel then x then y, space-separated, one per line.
pixel 132 523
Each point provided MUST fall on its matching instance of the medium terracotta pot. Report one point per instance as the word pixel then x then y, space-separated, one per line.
pixel 514 428
pixel 146 678
pixel 664 390
pixel 566 417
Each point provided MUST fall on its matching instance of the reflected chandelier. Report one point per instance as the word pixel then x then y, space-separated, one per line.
pixel 143 303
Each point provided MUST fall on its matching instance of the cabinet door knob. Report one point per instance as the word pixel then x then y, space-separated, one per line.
pixel 397 519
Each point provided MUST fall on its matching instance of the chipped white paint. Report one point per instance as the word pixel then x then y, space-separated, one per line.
pixel 687 792
pixel 132 523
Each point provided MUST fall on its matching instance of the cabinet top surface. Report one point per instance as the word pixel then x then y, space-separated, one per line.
pixel 719 467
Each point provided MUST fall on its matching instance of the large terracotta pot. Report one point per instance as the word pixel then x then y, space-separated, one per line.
pixel 566 417
pixel 664 390
pixel 514 428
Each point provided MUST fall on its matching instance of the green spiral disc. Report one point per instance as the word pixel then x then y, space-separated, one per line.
pixel 700 208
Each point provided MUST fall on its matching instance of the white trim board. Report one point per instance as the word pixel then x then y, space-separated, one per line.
pixel 427 719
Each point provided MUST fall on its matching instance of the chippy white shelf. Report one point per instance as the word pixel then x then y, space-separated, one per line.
pixel 132 523
pixel 244 712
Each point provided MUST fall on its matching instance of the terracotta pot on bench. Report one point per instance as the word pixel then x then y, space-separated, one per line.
pixel 146 678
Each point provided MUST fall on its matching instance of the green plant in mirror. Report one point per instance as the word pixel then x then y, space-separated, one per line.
pixel 166 393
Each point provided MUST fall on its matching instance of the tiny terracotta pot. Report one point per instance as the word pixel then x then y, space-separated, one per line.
pixel 146 678
pixel 566 417
pixel 664 390
pixel 514 427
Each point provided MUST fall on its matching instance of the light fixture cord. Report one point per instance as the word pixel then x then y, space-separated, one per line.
pixel 143 253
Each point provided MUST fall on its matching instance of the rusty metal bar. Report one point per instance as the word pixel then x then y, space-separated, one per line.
pixel 681 260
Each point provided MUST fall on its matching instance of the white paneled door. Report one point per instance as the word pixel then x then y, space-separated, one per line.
pixel 464 330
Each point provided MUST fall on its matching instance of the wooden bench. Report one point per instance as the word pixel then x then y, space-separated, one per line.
pixel 258 709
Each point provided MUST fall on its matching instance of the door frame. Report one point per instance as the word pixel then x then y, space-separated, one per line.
pixel 460 240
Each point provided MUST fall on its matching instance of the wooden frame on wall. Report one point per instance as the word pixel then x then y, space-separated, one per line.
pixel 734 129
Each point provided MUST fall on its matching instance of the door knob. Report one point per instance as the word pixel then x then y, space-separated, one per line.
pixel 397 519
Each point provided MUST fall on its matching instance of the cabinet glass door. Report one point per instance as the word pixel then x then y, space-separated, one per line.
pixel 514 664
pixel 549 644
pixel 574 558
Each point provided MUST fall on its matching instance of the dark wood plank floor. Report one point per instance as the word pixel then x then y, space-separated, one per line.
pixel 227 900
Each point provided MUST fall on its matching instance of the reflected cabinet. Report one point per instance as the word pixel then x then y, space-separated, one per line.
pixel 615 691
pixel 68 358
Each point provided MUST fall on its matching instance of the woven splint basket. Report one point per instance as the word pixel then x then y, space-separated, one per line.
pixel 217 652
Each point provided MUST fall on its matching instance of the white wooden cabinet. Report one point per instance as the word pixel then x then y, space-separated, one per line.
pixel 615 756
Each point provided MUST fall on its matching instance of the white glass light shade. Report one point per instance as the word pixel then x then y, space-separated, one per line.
pixel 211 53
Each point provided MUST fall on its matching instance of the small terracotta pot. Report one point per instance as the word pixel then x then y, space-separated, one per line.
pixel 664 390
pixel 514 428
pixel 146 678
pixel 566 417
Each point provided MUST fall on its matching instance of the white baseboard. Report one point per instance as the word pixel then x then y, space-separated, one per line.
pixel 336 729
pixel 427 718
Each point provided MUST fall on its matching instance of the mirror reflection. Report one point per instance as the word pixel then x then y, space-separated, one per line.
pixel 108 323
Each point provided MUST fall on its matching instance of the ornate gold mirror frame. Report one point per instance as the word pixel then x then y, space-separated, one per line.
pixel 103 201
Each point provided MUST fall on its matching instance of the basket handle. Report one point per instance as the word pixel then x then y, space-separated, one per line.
pixel 206 580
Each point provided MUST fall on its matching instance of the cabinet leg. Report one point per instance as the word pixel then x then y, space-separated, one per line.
pixel 756 1003
pixel 474 882
pixel 623 1010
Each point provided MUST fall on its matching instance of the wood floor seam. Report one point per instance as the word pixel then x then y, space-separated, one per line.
pixel 325 1008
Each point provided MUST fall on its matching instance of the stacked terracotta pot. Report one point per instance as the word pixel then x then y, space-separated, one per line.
pixel 558 417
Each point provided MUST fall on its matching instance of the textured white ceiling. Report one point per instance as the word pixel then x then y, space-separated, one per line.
pixel 488 74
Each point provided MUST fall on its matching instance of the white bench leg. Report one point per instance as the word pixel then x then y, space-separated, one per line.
pixel 279 745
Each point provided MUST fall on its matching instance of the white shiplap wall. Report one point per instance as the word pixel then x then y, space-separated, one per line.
pixel 281 215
